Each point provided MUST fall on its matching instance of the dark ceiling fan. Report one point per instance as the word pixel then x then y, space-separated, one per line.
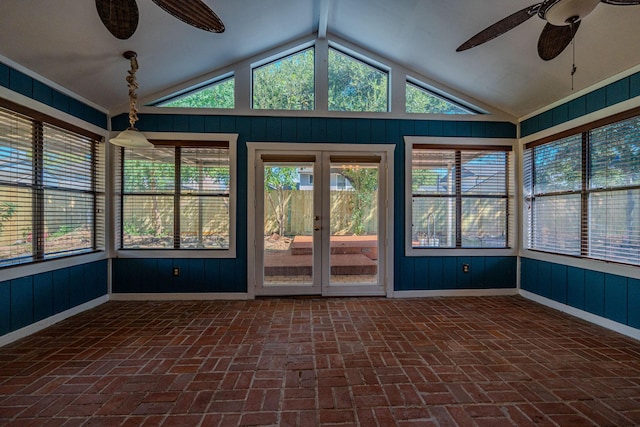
pixel 121 16
pixel 563 18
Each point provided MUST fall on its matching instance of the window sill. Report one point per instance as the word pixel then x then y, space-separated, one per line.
pixel 453 252
pixel 175 253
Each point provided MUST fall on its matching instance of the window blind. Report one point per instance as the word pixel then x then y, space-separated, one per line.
pixel 149 183
pixel 175 196
pixel 52 190
pixel 582 193
pixel 553 200
pixel 614 192
pixel 461 197
pixel 204 198
pixel 16 188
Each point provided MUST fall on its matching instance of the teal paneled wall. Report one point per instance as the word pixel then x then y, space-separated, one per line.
pixel 613 93
pixel 224 275
pixel 607 295
pixel 439 273
pixel 29 299
pixel 154 275
pixel 34 89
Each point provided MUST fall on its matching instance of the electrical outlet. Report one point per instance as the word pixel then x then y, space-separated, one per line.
pixel 176 271
pixel 465 268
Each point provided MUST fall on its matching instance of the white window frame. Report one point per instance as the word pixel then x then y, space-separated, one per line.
pixel 409 250
pixel 230 252
pixel 398 76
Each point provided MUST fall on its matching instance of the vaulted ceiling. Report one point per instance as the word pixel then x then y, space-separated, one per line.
pixel 65 42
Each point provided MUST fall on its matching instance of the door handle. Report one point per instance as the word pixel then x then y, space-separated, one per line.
pixel 316 227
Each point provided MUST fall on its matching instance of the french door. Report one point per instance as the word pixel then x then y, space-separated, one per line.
pixel 319 222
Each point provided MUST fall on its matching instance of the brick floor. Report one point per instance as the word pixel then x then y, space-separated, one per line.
pixel 492 361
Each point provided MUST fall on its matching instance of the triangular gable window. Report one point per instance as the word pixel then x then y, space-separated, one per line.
pixel 355 85
pixel 421 100
pixel 287 83
pixel 216 95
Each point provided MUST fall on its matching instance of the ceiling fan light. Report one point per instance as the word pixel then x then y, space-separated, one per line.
pixel 561 12
pixel 131 138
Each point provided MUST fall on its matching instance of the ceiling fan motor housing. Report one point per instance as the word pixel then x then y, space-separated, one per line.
pixel 565 12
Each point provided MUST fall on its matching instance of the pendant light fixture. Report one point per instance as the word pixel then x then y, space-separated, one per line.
pixel 132 137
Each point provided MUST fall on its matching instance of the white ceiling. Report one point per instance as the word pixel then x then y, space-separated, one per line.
pixel 65 42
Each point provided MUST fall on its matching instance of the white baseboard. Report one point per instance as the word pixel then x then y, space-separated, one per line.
pixel 455 293
pixel 196 296
pixel 584 315
pixel 49 321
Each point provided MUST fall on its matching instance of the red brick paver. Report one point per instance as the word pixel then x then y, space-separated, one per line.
pixel 493 361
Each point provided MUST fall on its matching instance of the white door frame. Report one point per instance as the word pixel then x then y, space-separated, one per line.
pixel 386 204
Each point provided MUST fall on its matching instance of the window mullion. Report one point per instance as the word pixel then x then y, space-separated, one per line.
pixel 94 193
pixel 532 205
pixel 584 195
pixel 121 228
pixel 507 214
pixel 458 184
pixel 38 225
pixel 176 199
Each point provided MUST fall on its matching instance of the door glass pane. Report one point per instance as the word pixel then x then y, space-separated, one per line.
pixel 288 224
pixel 354 223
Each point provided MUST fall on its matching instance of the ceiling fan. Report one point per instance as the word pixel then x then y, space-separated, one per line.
pixel 563 19
pixel 121 16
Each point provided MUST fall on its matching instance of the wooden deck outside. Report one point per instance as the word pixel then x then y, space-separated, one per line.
pixel 350 255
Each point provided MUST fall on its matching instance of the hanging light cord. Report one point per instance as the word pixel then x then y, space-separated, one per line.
pixel 133 85
pixel 573 45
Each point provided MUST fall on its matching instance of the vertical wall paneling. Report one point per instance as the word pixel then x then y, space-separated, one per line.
pixel 594 292
pixel 21 302
pixel 30 299
pixel 544 279
pixel 436 274
pixel 575 287
pixel 559 283
pixel 407 275
pixel 611 296
pixel 42 296
pixel 61 290
pixel 615 298
pixel 633 303
pixel 5 307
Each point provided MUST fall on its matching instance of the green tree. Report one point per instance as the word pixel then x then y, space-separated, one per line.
pixel 364 181
pixel 423 177
pixel 286 84
pixel 150 176
pixel 218 95
pixel 7 209
pixel 356 86
pixel 419 100
pixel 278 181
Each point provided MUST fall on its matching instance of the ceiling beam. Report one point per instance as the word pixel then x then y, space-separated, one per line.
pixel 323 21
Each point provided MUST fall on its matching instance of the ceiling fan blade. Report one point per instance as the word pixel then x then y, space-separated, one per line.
pixel 194 12
pixel 119 16
pixel 621 2
pixel 500 27
pixel 554 39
